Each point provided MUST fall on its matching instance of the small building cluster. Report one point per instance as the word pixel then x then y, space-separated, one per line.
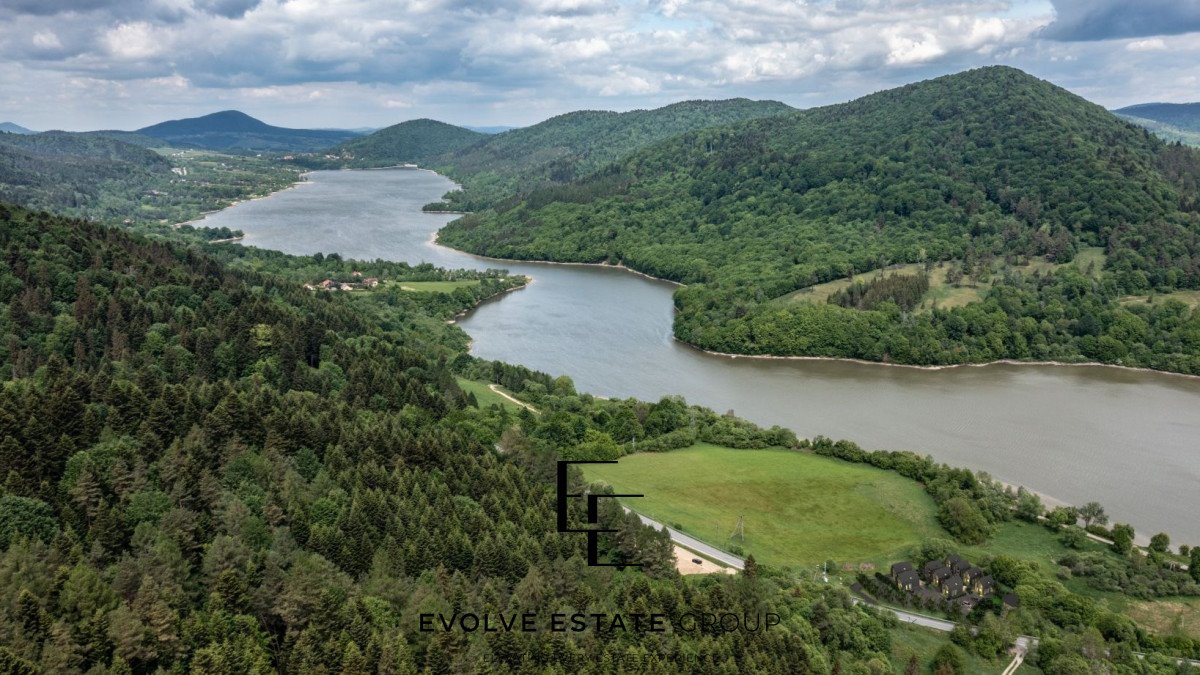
pixel 359 283
pixel 952 581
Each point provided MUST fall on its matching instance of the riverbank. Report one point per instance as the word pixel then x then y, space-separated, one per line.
pixel 301 179
pixel 433 241
pixel 948 366
pixel 1081 435
pixel 510 289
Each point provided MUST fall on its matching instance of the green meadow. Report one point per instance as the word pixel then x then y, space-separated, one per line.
pixel 797 509
pixel 436 286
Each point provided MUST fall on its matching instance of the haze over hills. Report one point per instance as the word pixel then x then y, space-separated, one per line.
pixel 1172 121
pixel 14 128
pixel 234 130
pixel 413 141
pixel 983 165
pixel 1181 115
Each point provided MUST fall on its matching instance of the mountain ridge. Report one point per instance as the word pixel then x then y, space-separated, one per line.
pixel 235 130
pixel 574 144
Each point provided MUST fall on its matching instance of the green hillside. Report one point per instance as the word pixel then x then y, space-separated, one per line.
pixel 575 145
pixel 98 176
pixel 63 171
pixel 985 169
pixel 414 141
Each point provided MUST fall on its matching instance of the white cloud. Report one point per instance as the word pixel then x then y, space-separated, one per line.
pixel 356 62
pixel 1151 45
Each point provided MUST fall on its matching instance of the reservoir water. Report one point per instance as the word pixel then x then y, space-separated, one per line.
pixel 1128 439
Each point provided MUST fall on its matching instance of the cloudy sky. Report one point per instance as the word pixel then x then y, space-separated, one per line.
pixel 87 64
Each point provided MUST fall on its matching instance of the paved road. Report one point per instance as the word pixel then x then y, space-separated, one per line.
pixel 909 617
pixel 695 544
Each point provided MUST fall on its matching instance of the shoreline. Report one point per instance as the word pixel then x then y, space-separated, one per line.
pixel 433 240
pixel 843 359
pixel 947 366
pixel 454 319
pixel 301 179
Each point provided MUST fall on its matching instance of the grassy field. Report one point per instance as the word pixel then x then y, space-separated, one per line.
pixel 912 640
pixel 799 509
pixel 1189 298
pixel 436 286
pixel 942 293
pixel 1168 616
pixel 486 396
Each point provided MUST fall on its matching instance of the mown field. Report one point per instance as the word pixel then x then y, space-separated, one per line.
pixel 798 509
pixel 485 396
pixel 436 286
pixel 801 510
pixel 942 293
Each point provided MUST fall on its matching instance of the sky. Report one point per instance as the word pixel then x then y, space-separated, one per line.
pixel 123 64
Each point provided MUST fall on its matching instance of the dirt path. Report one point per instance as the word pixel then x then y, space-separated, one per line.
pixel 496 389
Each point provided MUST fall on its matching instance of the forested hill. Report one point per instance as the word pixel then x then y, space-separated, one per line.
pixel 14 128
pixel 575 145
pixel 60 170
pixel 217 471
pixel 414 141
pixel 985 171
pixel 235 130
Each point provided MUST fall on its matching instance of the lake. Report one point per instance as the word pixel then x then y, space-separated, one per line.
pixel 1128 439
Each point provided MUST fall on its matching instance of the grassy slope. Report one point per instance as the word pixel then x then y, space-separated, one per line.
pixel 908 640
pixel 799 509
pixel 485 396
pixel 436 286
pixel 942 293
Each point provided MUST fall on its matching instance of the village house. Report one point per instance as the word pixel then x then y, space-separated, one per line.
pixel 951 580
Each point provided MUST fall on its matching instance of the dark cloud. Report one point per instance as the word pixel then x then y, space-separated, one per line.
pixel 52 7
pixel 1084 20
pixel 230 9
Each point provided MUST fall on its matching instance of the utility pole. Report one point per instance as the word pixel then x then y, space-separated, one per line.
pixel 739 530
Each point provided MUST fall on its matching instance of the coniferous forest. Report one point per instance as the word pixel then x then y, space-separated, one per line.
pixel 214 471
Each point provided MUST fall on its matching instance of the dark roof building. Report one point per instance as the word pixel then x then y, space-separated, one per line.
pixel 901 567
pixel 908 580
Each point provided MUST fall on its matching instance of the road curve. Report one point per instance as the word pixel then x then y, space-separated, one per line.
pixel 694 543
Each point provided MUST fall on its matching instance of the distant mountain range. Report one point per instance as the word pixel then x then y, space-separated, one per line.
pixel 491 130
pixel 14 128
pixel 1172 121
pixel 1181 115
pixel 234 130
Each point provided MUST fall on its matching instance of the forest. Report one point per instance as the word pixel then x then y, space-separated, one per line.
pixel 103 177
pixel 968 169
pixel 573 146
pixel 212 470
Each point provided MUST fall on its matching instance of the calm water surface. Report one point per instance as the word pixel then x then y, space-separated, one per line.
pixel 1130 440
